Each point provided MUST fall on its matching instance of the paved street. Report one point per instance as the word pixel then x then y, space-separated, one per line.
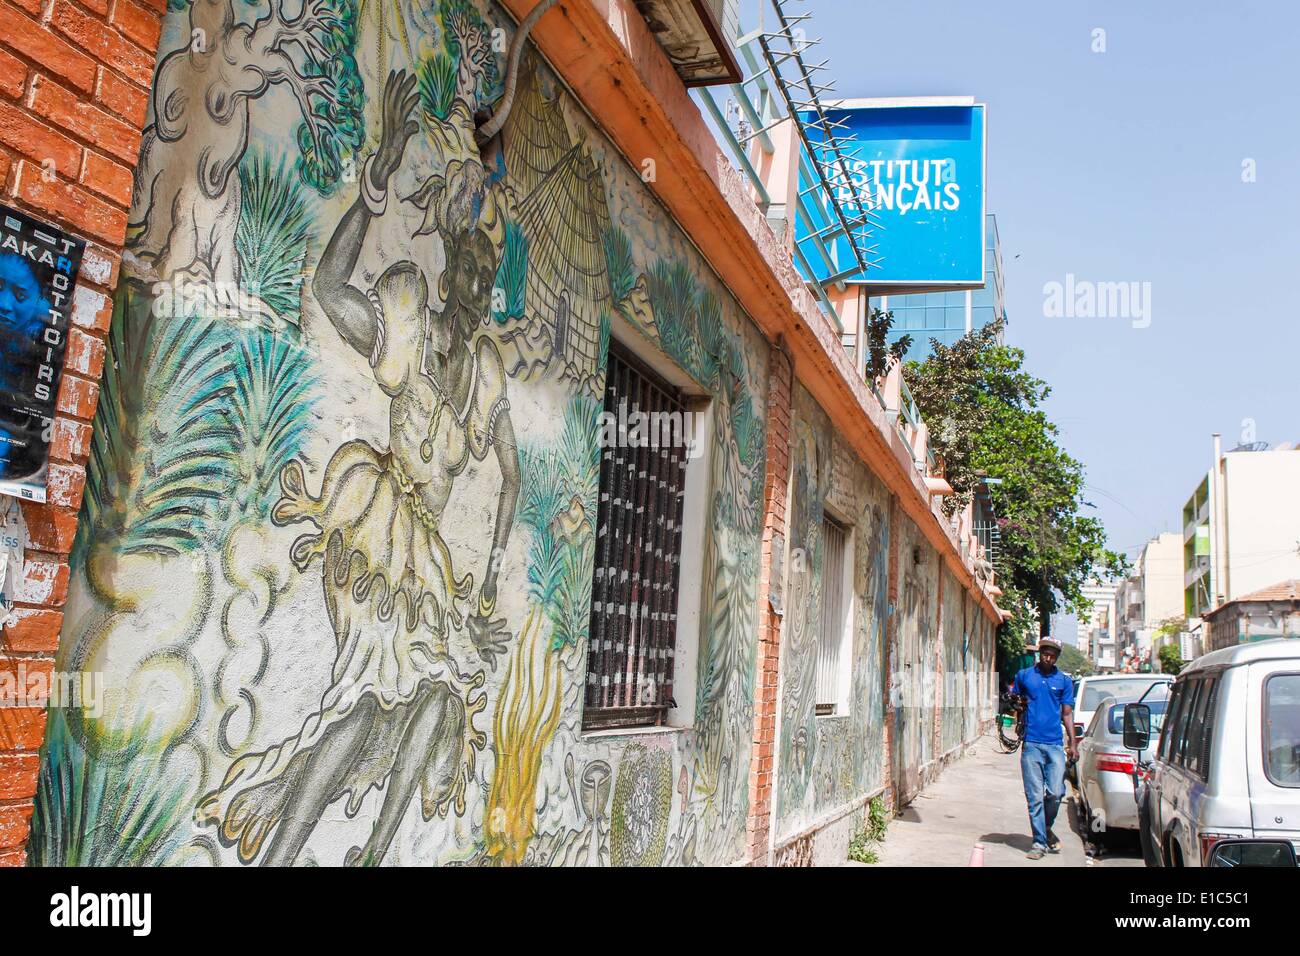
pixel 979 799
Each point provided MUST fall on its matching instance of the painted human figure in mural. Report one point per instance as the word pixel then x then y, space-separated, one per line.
pixel 400 712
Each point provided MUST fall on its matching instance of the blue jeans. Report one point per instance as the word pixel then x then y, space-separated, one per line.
pixel 1042 767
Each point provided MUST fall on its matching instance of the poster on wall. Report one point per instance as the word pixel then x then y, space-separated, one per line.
pixel 38 271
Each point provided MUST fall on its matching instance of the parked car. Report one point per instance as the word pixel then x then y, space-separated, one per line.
pixel 1228 761
pixel 1092 690
pixel 1106 769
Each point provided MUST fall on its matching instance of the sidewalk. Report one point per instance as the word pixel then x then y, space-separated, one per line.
pixel 980 799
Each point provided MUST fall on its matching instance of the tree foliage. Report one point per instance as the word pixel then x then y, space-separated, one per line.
pixel 986 419
pixel 1074 661
pixel 881 354
pixel 322 158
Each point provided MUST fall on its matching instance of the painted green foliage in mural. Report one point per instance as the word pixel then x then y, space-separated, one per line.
pixel 92 811
pixel 193 411
pixel 558 500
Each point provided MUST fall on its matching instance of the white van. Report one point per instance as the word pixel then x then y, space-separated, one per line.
pixel 1228 761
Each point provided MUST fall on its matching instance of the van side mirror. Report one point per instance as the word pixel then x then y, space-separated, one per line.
pixel 1253 853
pixel 1137 726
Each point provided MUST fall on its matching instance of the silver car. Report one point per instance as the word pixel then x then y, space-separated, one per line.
pixel 1095 688
pixel 1106 768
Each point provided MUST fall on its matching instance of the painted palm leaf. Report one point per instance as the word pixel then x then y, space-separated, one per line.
pixel 436 84
pixel 272 236
pixel 90 811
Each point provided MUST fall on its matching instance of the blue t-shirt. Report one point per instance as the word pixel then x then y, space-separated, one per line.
pixel 1047 695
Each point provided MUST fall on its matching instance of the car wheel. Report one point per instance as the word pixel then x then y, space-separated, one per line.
pixel 1175 854
pixel 1149 854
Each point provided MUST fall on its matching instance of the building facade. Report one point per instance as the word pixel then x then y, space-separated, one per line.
pixel 1241 527
pixel 1150 596
pixel 1098 629
pixel 1259 616
pixel 480 500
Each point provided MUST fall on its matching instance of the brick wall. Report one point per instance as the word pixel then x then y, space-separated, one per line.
pixel 775 486
pixel 74 80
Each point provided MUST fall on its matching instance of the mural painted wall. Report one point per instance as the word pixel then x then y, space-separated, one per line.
pixel 956 659
pixel 913 687
pixel 335 556
pixel 827 761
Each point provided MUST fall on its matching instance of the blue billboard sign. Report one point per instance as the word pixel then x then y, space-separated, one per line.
pixel 920 165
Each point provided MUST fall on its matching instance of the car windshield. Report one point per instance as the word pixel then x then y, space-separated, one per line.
pixel 1282 729
pixel 1094 692
pixel 1115 719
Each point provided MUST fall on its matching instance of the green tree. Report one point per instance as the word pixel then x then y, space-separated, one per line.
pixel 881 353
pixel 1169 655
pixel 986 419
pixel 1073 661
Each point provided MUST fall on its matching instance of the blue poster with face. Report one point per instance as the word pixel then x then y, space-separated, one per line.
pixel 38 271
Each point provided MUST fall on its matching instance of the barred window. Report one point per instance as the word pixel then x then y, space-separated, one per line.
pixel 831 637
pixel 632 646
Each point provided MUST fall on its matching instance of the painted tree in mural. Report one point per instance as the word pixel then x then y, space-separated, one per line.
pixel 187 216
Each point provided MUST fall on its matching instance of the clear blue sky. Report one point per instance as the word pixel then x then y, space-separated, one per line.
pixel 1117 166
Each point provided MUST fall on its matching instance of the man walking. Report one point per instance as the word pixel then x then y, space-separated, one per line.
pixel 1050 701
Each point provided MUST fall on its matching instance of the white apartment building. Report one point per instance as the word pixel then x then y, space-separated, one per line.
pixel 1149 596
pixel 1241 527
pixel 1097 629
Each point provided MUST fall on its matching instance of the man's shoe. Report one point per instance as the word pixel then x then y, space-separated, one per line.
pixel 1053 842
pixel 1036 853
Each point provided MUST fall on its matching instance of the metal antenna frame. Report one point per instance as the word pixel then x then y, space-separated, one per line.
pixel 854 218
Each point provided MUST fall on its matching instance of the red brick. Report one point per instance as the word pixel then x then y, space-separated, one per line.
pixel 18 775
pixel 71 440
pixel 13 75
pixel 77 397
pixel 38 142
pixel 64 108
pixel 23 669
pixel 37 631
pixel 85 354
pixel 34 7
pixel 50 528
pixel 24 35
pixel 125 99
pixel 109 179
pixel 70 204
pixel 157 6
pixel 65 486
pixel 15 857
pixel 141 25
pixel 103 43
pixel 15 819
pixel 98 267
pixel 22 728
pixel 96 6
pixel 91 309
